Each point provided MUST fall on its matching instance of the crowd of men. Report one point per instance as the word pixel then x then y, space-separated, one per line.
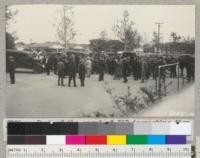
pixel 140 67
pixel 71 64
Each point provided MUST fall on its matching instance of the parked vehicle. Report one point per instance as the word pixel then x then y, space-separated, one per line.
pixel 23 60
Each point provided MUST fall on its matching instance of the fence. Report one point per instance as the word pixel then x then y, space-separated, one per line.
pixel 161 77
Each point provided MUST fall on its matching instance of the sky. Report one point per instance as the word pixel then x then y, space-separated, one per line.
pixel 36 23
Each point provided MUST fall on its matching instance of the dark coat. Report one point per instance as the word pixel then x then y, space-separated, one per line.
pixel 101 66
pixel 82 70
pixel 72 68
pixel 11 66
pixel 61 68
pixel 125 65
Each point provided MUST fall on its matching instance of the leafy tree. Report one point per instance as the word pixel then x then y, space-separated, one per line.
pixel 126 33
pixel 65 26
pixel 10 36
pixel 10 41
pixel 175 39
pixel 138 41
pixel 10 14
pixel 155 38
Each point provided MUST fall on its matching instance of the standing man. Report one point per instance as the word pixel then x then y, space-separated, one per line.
pixel 125 70
pixel 155 68
pixel 143 70
pixel 88 66
pixel 190 69
pixel 101 69
pixel 136 68
pixel 47 66
pixel 118 69
pixel 113 64
pixel 60 71
pixel 82 71
pixel 11 69
pixel 55 60
pixel 72 70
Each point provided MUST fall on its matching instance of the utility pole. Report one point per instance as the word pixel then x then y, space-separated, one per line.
pixel 158 40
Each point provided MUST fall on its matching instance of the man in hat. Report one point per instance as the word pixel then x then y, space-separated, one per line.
pixel 47 66
pixel 82 71
pixel 143 70
pixel 101 67
pixel 88 66
pixel 72 70
pixel 11 69
pixel 60 71
pixel 125 69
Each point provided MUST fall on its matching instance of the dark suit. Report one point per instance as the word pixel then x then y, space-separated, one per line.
pixel 11 69
pixel 72 72
pixel 101 68
pixel 125 70
pixel 61 72
pixel 82 71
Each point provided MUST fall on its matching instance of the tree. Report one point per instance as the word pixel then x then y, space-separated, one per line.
pixel 103 35
pixel 65 26
pixel 155 40
pixel 175 37
pixel 175 40
pixel 125 32
pixel 138 41
pixel 10 41
pixel 10 36
pixel 10 14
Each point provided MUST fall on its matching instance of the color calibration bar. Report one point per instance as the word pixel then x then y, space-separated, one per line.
pixel 99 128
pixel 96 139
pixel 99 151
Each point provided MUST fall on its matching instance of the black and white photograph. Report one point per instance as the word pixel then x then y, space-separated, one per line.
pixel 100 61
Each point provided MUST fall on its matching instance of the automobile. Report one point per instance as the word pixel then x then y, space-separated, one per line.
pixel 184 59
pixel 187 55
pixel 150 55
pixel 126 54
pixel 24 61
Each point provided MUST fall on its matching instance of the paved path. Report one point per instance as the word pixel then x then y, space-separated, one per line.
pixel 37 95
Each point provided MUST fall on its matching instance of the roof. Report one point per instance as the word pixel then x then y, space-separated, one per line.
pixel 16 51
pixel 78 47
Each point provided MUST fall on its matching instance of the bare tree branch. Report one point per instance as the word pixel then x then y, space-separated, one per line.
pixel 65 26
pixel 123 29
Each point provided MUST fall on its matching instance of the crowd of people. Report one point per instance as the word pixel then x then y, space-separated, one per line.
pixel 71 64
pixel 141 67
